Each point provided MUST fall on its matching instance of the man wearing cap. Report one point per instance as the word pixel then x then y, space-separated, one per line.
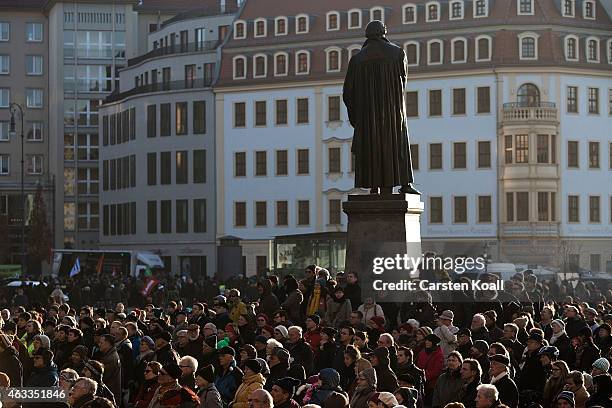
pixel 533 376
pixel 565 399
pixel 300 350
pixel 170 393
pixel 229 376
pixel 313 332
pixel 386 399
pixel 447 332
pixel 499 369
pixel 283 391
pixel 251 381
pixel 164 353
pixel 590 316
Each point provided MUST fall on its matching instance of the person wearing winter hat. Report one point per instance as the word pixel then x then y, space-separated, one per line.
pixel 533 374
pixel 447 332
pixel 44 373
pixel 252 380
pixel 278 361
pixel 586 350
pixel 283 391
pixel 386 378
pixel 449 383
pixel 281 333
pixel 479 352
pixel 561 340
pixel 431 360
pixel 421 333
pixel 565 399
pixel 600 366
pixel 336 400
pixel 602 391
pixel 603 338
pixel 384 400
pixel 499 372
pixel 170 393
pixel 312 336
pixel 78 358
pixel 207 392
pixel 365 388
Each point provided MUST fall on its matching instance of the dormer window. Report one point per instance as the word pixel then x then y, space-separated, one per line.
pixel 483 48
pixel 333 59
pixel 280 63
pixel 528 46
pixel 239 30
pixel 260 67
pixel 433 11
pixel 377 13
pixel 412 53
pixel 354 18
pixel 302 62
pixel 571 48
pixel 240 67
pixel 280 26
pixel 568 8
pixel 260 27
pixel 592 49
pixel 333 21
pixel 409 15
pixel 589 9
pixel 525 7
pixel 459 50
pixel 301 24
pixel 434 52
pixel 481 8
pixel 456 10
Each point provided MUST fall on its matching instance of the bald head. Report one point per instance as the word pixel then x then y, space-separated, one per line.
pixel 261 399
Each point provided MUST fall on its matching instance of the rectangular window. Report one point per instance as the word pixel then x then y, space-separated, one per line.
pixel 181 118
pixel 484 99
pixel 132 123
pixel 543 214
pixel 435 210
pixel 5 164
pixel 166 167
pixel 5 64
pixel 335 212
pixel 261 163
pixel 303 161
pixel 412 104
pixel 593 155
pixel 199 117
pixel 333 108
pixel 5 97
pixel 595 262
pixel 459 155
pixel 199 166
pixel 281 111
pixel 594 214
pixel 35 132
pixel 484 155
pixel 521 151
pixel 594 100
pixel 34 164
pixel 261 213
pixel 152 217
pixel 105 130
pixel 573 213
pixel 303 212
pixel 182 216
pixel 34 64
pixel 239 114
pixel 302 110
pixel 152 169
pixel 460 210
pixel 34 98
pixel 281 163
pixel 5 31
pixel 199 215
pixel 435 103
pixel 151 120
pixel 572 99
pixel 282 217
pixel 435 156
pixel 34 32
pixel 240 214
pixel 510 207
pixel 239 164
pixel 190 73
pixel 334 154
pixel 260 113
pixel 165 119
pixel 459 101
pixel 542 149
pixel 166 216
pixel 414 156
pixel 572 154
pixel 484 209
pixel 182 167
pixel 522 206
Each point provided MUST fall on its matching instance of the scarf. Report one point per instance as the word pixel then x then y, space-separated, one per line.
pixel 313 304
pixel 555 337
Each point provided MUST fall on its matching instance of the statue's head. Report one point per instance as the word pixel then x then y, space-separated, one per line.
pixel 376 29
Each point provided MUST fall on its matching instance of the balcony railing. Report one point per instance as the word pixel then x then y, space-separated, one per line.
pixel 159 87
pixel 515 111
pixel 175 49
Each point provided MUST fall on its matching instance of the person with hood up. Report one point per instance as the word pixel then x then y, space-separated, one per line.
pixel 431 360
pixel 295 297
pixel 268 302
pixel 283 391
pixel 339 308
pixel 44 373
pixel 9 361
pixel 573 321
pixel 386 379
pixel 164 352
pixel 207 392
pixel 251 381
pixel 41 341
pixel 365 389
pixel 449 383
pixel 329 382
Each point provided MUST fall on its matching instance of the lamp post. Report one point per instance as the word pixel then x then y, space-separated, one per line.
pixel 16 108
pixel 486 256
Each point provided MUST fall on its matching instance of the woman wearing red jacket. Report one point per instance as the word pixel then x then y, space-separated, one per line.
pixel 431 360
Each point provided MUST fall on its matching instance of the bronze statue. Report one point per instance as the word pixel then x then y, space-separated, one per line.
pixel 374 97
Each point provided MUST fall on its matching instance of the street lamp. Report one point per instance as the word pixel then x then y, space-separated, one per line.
pixel 16 108
pixel 486 256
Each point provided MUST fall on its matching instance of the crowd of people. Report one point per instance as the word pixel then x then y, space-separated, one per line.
pixel 311 341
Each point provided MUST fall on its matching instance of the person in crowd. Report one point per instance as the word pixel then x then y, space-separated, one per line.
pixel 44 373
pixel 573 321
pixel 208 394
pixel 95 370
pixel 487 396
pixel 170 392
pixel 339 308
pixel 585 349
pixel 470 376
pixel 9 360
pixel 499 373
pixel 603 339
pixel 112 365
pixel 261 399
pixel 565 399
pixel 149 386
pixel 431 360
pixel 555 383
pixel 464 342
pixel 229 377
pixel 282 392
pixel 365 388
pixel 532 373
pixel 495 333
pixel 447 332
pixel 386 378
pixel 329 382
pixel 449 383
pixel 300 350
pixel 574 382
pixel 188 365
pixel 479 328
pixel 83 394
pixel 164 352
pixel 602 391
pixel 268 302
pixel 251 381
pixel 370 309
pixel 479 352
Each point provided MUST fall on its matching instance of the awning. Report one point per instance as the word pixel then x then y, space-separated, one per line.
pixel 150 260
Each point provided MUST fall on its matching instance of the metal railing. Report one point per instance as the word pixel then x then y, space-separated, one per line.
pixel 175 49
pixel 159 87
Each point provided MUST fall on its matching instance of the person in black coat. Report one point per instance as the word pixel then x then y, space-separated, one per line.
pixel 164 353
pixel 44 373
pixel 9 361
pixel 300 351
pixel 508 391
pixel 327 348
pixel 386 379
pixel 405 365
pixel 561 340
pixel 586 351
pixel 533 375
pixel 470 374
pixel 352 290
pixel 573 321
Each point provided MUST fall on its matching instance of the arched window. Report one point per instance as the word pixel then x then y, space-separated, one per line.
pixel 302 62
pixel 571 48
pixel 239 29
pixel 240 67
pixel 592 49
pixel 280 63
pixel 409 14
pixel 353 49
pixel 260 66
pixel 435 52
pixel 260 27
pixel 528 43
pixel 333 59
pixel 528 95
pixel 456 9
pixel 333 21
pixel 280 26
pixel 377 13
pixel 459 50
pixel 433 11
pixel 301 24
pixel 354 18
pixel 483 48
pixel 412 53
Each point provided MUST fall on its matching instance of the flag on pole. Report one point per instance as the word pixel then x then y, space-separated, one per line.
pixel 151 283
pixel 100 264
pixel 76 268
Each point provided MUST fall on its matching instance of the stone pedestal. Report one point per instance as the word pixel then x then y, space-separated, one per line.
pixel 377 220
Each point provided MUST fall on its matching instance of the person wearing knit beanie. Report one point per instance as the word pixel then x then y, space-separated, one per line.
pixel 282 331
pixel 253 365
pixel 42 341
pixel 206 373
pixel 172 370
pixel 565 399
pixel 207 391
pixel 600 366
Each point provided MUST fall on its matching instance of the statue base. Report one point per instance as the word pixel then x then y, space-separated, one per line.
pixel 376 220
